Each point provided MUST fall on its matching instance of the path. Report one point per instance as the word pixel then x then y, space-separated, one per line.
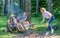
pixel 35 35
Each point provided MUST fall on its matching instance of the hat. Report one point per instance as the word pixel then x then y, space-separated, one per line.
pixel 12 15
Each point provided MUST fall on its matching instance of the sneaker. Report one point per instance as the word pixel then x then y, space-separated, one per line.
pixel 46 33
pixel 52 30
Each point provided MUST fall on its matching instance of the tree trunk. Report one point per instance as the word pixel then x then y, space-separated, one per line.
pixel 36 6
pixel 22 4
pixel 4 7
pixel 50 5
pixel 10 7
pixel 28 8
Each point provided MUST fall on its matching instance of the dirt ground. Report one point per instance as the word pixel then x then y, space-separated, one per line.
pixel 34 36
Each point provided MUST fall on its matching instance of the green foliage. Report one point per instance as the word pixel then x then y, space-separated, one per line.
pixel 0 7
pixel 44 3
pixel 34 14
pixel 56 7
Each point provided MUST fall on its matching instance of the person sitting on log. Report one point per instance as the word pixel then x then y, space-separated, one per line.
pixel 26 23
pixel 11 22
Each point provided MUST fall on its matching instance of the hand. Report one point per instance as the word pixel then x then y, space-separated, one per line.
pixel 46 24
pixel 43 20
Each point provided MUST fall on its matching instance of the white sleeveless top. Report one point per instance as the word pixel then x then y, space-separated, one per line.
pixel 45 14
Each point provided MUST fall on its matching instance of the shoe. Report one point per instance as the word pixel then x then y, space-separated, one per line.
pixel 52 31
pixel 46 33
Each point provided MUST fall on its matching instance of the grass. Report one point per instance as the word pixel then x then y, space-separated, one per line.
pixel 36 20
pixel 3 22
pixel 41 27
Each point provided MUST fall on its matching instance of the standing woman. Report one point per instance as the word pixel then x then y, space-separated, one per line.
pixel 50 18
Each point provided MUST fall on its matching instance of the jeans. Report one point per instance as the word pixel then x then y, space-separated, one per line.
pixel 12 26
pixel 49 23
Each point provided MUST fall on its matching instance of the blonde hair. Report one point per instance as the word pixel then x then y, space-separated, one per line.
pixel 43 9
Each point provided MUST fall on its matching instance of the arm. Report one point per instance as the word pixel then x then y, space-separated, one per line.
pixel 49 14
pixel 43 20
pixel 9 22
pixel 9 25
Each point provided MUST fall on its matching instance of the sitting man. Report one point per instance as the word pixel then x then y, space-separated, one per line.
pixel 25 23
pixel 12 22
pixel 23 17
pixel 19 25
